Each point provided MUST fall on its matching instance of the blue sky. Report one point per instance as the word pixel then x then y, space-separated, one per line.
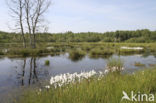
pixel 94 15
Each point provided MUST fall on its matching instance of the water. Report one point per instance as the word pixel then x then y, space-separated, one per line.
pixel 17 72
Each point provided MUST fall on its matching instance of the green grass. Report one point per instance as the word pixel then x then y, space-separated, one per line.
pixel 76 55
pixel 130 51
pixel 101 52
pixel 107 90
pixel 116 63
pixel 98 49
pixel 47 63
pixel 1 53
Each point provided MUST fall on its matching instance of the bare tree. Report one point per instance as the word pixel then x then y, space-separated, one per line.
pixel 16 7
pixel 27 10
pixel 35 10
pixel 29 14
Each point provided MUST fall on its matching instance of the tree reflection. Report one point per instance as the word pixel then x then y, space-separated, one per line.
pixel 29 73
pixel 33 77
pixel 23 72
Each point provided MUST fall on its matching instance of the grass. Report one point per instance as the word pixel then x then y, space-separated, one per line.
pixel 98 49
pixel 47 63
pixel 1 53
pixel 100 52
pixel 76 55
pixel 107 90
pixel 115 63
pixel 130 51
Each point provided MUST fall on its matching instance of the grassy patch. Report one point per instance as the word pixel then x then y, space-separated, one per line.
pixel 115 64
pixel 101 52
pixel 1 53
pixel 95 50
pixel 138 64
pixel 107 90
pixel 47 63
pixel 76 55
pixel 130 51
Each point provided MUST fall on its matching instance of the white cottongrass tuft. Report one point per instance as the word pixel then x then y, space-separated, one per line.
pixel 64 79
pixel 134 48
pixel 113 69
pixel 47 86
pixel 67 78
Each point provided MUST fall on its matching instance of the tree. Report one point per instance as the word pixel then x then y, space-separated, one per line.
pixel 16 7
pixel 35 10
pixel 29 14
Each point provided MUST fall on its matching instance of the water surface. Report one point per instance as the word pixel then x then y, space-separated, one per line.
pixel 17 72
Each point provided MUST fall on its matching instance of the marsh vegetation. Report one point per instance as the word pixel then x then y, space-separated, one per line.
pixel 123 61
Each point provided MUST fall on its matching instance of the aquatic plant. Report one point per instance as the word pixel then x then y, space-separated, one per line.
pixel 47 63
pixel 76 55
pixel 115 64
pixel 138 64
pixel 1 53
pixel 101 52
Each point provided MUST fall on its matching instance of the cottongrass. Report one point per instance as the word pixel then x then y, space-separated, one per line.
pixel 64 79
pixel 134 48
pixel 107 90
pixel 67 78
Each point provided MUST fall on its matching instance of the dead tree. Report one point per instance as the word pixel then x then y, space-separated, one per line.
pixel 35 10
pixel 16 7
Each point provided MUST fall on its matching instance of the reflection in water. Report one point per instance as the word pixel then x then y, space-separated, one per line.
pixel 76 59
pixel 146 53
pixel 23 72
pixel 32 70
pixel 33 75
pixel 100 56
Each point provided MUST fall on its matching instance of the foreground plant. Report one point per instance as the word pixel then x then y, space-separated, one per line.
pixel 109 89
pixel 115 64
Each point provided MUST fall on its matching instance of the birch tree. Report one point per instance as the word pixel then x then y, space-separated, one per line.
pixel 17 13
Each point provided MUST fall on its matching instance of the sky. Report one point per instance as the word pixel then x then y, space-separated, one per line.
pixel 93 15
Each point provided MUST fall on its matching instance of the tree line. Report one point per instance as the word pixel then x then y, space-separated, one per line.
pixel 138 36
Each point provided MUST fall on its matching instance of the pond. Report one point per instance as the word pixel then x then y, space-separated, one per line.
pixel 30 71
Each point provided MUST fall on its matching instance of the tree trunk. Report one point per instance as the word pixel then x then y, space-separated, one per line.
pixel 27 9
pixel 21 25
